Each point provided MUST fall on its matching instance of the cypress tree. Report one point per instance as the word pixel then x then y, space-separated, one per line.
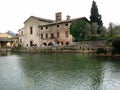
pixel 95 17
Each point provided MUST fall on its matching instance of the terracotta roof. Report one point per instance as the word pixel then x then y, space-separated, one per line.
pixel 40 19
pixel 64 21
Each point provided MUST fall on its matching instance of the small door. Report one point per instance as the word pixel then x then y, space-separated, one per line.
pixel 31 43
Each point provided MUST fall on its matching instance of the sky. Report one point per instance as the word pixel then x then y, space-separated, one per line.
pixel 13 13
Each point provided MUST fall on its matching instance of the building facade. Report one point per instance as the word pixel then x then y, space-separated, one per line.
pixel 38 31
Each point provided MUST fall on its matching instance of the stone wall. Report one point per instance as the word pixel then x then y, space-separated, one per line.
pixel 93 44
pixel 63 29
pixel 25 35
pixel 70 48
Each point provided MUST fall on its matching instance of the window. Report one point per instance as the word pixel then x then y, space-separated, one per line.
pixel 46 27
pixel 58 34
pixel 66 24
pixel 57 25
pixel 41 36
pixel 46 36
pixel 31 30
pixel 41 28
pixel 20 40
pixel 21 32
pixel 52 35
pixel 66 34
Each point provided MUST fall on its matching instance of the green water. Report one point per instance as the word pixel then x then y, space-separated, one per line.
pixel 58 71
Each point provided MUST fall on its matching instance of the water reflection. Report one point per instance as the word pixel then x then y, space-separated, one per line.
pixel 111 73
pixel 59 71
pixel 3 53
pixel 10 73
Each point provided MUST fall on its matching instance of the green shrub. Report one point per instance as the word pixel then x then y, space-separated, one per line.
pixel 101 50
pixel 110 39
pixel 116 43
pixel 115 51
pixel 95 37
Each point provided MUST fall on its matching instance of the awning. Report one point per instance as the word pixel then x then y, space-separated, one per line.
pixel 5 39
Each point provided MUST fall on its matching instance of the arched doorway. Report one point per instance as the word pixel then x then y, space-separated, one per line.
pixel 61 43
pixel 58 42
pixel 50 44
pixel 67 43
pixel 45 44
pixel 31 43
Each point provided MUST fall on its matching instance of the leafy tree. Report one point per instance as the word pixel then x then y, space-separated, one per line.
pixel 116 29
pixel 79 30
pixel 94 27
pixel 88 31
pixel 94 35
pixel 113 32
pixel 95 17
pixel 93 30
pixel 111 29
pixel 103 33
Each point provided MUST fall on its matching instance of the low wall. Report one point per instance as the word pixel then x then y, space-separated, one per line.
pixel 86 46
pixel 71 48
pixel 92 43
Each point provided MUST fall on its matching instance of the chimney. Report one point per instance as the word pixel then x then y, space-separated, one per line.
pixel 68 17
pixel 58 16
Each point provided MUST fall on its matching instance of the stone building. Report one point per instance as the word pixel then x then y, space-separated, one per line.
pixel 40 31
